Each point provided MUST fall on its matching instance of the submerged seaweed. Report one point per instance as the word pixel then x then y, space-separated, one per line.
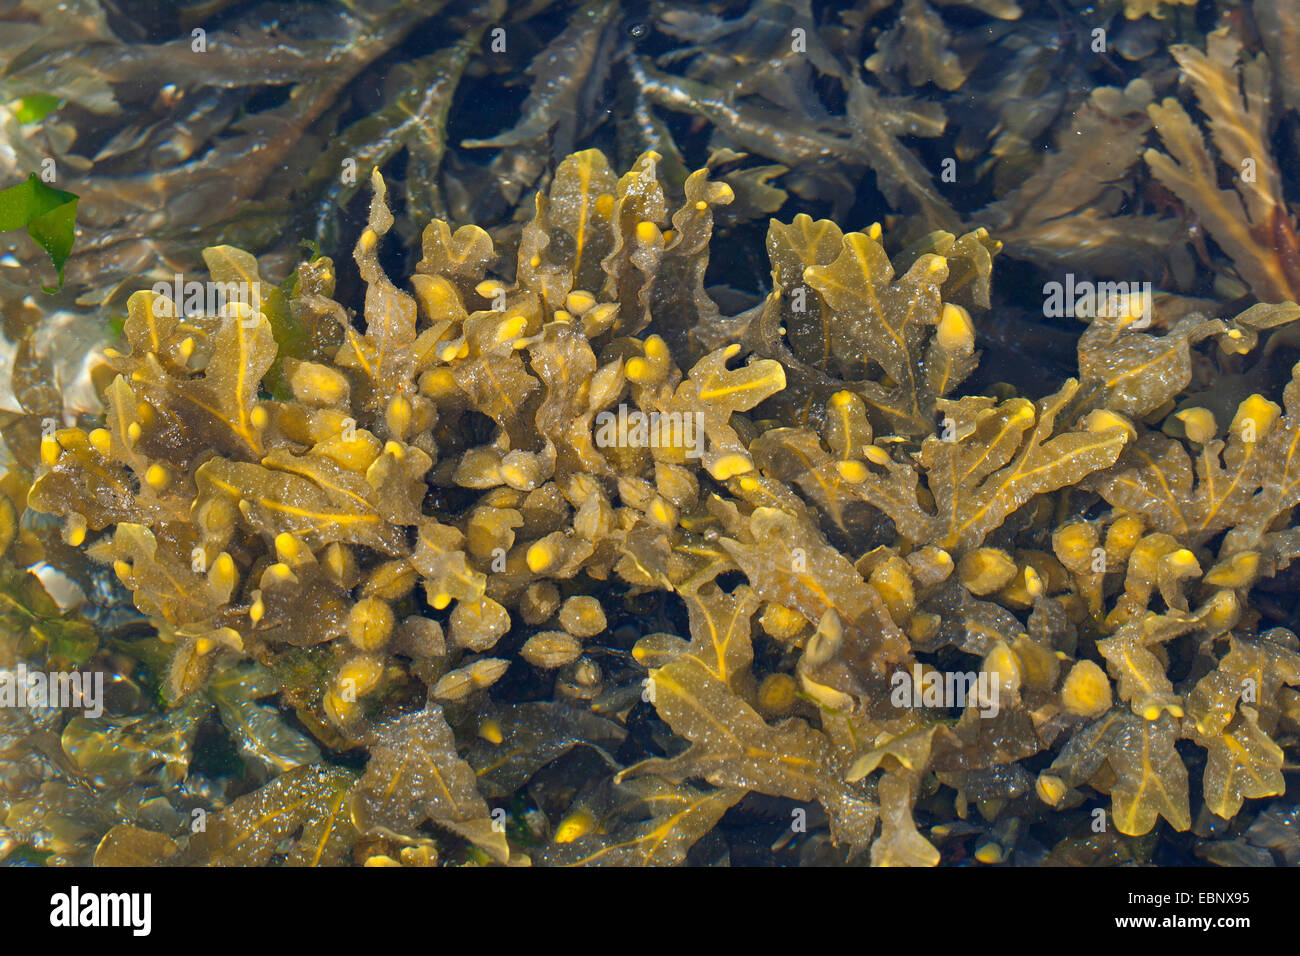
pixel 590 542
pixel 426 541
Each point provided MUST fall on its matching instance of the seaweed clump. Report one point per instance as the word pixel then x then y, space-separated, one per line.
pixel 574 580
pixel 1244 97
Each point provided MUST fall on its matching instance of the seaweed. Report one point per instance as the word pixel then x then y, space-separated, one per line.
pixel 1251 222
pixel 443 507
pixel 568 549
pixel 49 216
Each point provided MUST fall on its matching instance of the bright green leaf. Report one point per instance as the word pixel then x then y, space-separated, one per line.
pixel 48 214
pixel 37 106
